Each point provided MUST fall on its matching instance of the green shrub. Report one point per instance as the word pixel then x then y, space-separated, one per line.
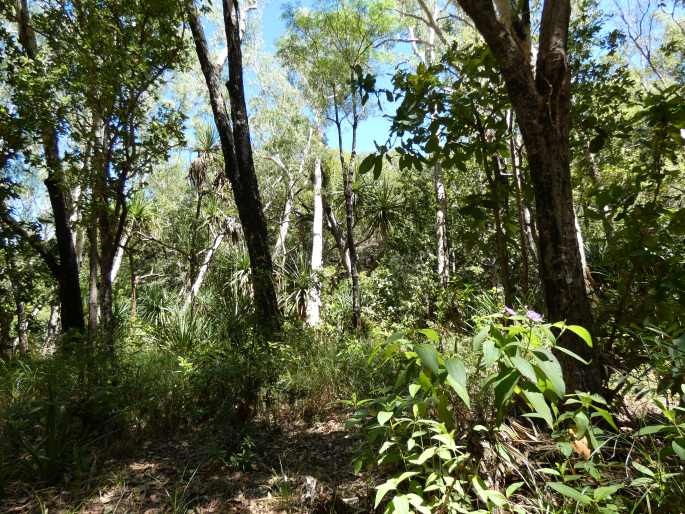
pixel 451 436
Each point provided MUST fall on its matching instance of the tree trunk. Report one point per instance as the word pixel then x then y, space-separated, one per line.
pixel 348 179
pixel 524 237
pixel 541 100
pixel 202 271
pixel 314 294
pixel 93 303
pixel 69 288
pixel 119 255
pixel 443 264
pixel 239 165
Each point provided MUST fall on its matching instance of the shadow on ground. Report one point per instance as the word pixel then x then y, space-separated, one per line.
pixel 299 469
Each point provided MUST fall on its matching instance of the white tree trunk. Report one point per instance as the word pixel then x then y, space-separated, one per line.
pixel 197 283
pixel 279 249
pixel 314 294
pixel 119 255
pixel 441 226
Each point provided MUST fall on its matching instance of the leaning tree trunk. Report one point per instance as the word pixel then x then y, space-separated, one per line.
pixel 236 147
pixel 69 288
pixel 314 294
pixel 540 96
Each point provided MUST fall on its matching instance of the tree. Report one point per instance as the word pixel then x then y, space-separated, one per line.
pixel 236 147
pixel 65 269
pixel 540 95
pixel 333 48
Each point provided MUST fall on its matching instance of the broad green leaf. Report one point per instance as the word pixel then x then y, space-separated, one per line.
pixel 367 163
pixel 602 493
pixel 525 368
pixel 431 334
pixel 400 504
pixel 480 337
pixel 413 389
pixel 582 424
pixel 582 333
pixel 460 390
pixel 429 357
pixel 457 370
pixel 550 368
pixel 539 404
pixel 504 387
pixel 652 429
pixel 570 492
pixel 383 417
pixel 425 455
pixel 490 353
pixel 607 417
pixel 384 489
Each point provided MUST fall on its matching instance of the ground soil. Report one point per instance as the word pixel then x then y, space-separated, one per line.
pixel 301 468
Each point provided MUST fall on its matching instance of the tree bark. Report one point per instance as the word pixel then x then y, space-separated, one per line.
pixel 202 271
pixel 239 166
pixel 541 100
pixel 314 294
pixel 443 264
pixel 348 179
pixel 69 288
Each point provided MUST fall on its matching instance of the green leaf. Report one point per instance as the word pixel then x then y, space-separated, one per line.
pixel 490 353
pixel 550 368
pixel 525 368
pixel 480 337
pixel 602 493
pixel 512 489
pixel 425 455
pixel 504 387
pixel 431 334
pixel 384 489
pixel 643 469
pixel 377 168
pixel 582 333
pixel 429 357
pixel 607 417
pixel 678 446
pixel 400 504
pixel 460 390
pixel 413 389
pixel 582 424
pixel 651 429
pixel 367 163
pixel 383 417
pixel 570 492
pixel 539 404
pixel 456 369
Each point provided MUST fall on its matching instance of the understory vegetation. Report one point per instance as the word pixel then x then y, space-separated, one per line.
pixel 364 256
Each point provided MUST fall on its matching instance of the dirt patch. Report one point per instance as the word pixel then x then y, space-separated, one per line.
pixel 299 468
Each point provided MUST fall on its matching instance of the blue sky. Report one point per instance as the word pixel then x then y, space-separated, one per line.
pixel 375 127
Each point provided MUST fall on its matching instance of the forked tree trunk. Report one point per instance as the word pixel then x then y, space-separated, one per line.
pixel 314 294
pixel 234 134
pixel 541 99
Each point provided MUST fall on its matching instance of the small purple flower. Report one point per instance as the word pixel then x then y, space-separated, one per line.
pixel 534 316
pixel 509 311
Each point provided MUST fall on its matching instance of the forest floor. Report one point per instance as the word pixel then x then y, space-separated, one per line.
pixel 300 468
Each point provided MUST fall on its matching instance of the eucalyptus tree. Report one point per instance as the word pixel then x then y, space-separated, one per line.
pixel 236 147
pixel 333 47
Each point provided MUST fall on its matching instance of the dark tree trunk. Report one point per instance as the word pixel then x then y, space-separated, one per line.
pixel 67 273
pixel 541 99
pixel 239 166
